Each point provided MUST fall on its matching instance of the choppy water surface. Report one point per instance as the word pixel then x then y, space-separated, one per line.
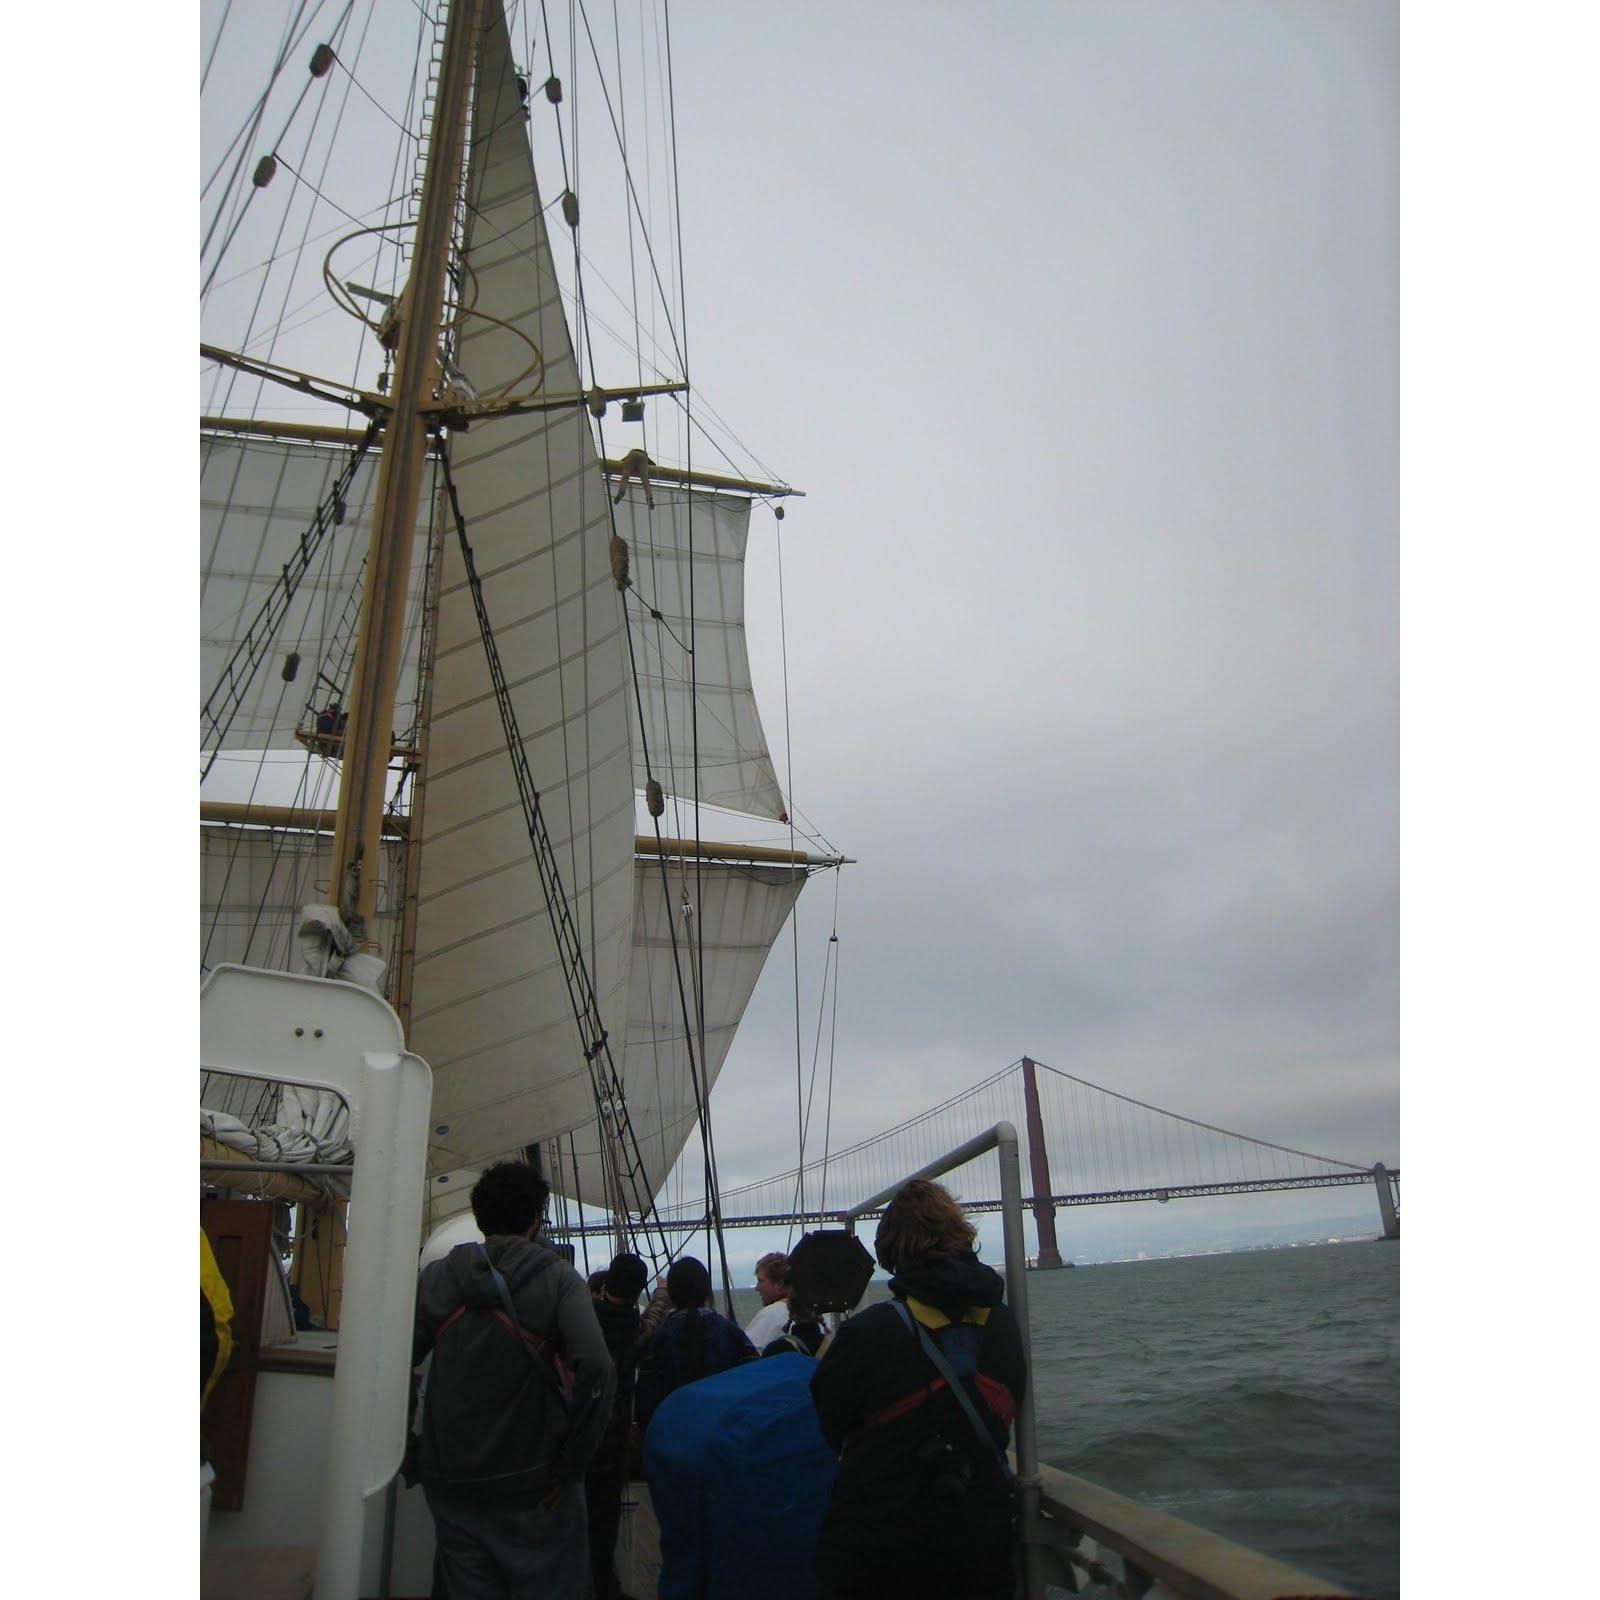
pixel 1257 1395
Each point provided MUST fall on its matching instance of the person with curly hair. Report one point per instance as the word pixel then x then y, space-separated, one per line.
pixel 514 1394
pixel 923 1503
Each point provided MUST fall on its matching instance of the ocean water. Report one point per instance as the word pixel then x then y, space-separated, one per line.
pixel 1257 1395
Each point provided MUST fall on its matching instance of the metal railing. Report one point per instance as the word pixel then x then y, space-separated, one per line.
pixel 1067 1524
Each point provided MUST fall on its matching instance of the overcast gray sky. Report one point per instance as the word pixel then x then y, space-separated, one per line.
pixel 1077 323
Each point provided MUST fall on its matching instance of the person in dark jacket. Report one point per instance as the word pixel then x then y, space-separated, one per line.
pixel 692 1343
pixel 515 1401
pixel 922 1504
pixel 618 1313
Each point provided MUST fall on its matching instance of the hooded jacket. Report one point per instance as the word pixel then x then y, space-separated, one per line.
pixel 892 1526
pixel 688 1346
pixel 551 1301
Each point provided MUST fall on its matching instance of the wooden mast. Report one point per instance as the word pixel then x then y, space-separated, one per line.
pixel 359 821
pixel 358 831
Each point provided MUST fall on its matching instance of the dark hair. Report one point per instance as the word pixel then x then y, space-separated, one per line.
pixel 626 1276
pixel 597 1282
pixel 688 1283
pixel 510 1197
pixel 922 1220
pixel 776 1266
pixel 800 1310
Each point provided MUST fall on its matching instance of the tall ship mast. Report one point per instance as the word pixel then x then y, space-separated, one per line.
pixel 472 663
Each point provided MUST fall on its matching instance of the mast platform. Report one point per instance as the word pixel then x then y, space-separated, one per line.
pixel 331 745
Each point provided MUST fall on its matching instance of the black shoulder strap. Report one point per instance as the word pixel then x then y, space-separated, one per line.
pixel 955 1386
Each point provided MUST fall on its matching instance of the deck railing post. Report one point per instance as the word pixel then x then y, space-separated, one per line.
pixel 1017 1295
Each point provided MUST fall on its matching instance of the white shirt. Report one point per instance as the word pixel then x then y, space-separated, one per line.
pixel 768 1324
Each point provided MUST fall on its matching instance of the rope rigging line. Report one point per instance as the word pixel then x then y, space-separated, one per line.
pixel 611 1176
pixel 833 1040
pixel 256 188
pixel 211 55
pixel 679 347
pixel 804 1120
pixel 701 1089
pixel 227 696
pixel 248 337
pixel 610 1103
pixel 252 119
pixel 695 1025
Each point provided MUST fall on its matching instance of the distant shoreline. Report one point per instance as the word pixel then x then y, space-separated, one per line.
pixel 1235 1250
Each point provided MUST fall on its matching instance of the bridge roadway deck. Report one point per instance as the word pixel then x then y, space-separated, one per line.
pixel 1101 1197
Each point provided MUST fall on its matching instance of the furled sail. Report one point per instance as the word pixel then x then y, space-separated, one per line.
pixel 675 537
pixel 253 882
pixel 742 909
pixel 258 498
pixel 490 1011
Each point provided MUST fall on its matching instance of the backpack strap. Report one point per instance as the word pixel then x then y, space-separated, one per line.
pixel 955 1386
pixel 502 1288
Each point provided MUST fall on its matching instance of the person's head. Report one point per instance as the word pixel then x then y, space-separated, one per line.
pixel 510 1197
pixel 688 1284
pixel 922 1221
pixel 626 1277
pixel 800 1310
pixel 597 1285
pixel 772 1277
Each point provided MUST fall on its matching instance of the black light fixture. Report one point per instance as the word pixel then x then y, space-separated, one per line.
pixel 830 1269
pixel 633 410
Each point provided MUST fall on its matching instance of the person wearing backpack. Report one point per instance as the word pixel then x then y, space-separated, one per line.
pixel 514 1393
pixel 691 1344
pixel 917 1395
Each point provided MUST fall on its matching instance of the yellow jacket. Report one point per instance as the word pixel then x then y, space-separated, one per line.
pixel 214 1291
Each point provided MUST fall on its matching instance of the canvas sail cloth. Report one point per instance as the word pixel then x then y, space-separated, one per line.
pixel 741 912
pixel 257 498
pixel 679 538
pixel 491 1013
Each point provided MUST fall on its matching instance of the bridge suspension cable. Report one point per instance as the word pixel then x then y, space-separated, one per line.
pixel 1099 1145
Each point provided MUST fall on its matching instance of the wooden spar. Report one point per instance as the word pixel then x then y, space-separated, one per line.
pixel 301 818
pixel 316 433
pixel 307 432
pixel 399 827
pixel 374 405
pixel 707 480
pixel 362 790
pixel 645 844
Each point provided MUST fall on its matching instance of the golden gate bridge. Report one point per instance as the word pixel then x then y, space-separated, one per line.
pixel 1086 1145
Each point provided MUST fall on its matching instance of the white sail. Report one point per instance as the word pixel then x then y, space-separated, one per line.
pixel 253 882
pixel 741 912
pixel 491 1010
pixel 677 537
pixel 258 498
